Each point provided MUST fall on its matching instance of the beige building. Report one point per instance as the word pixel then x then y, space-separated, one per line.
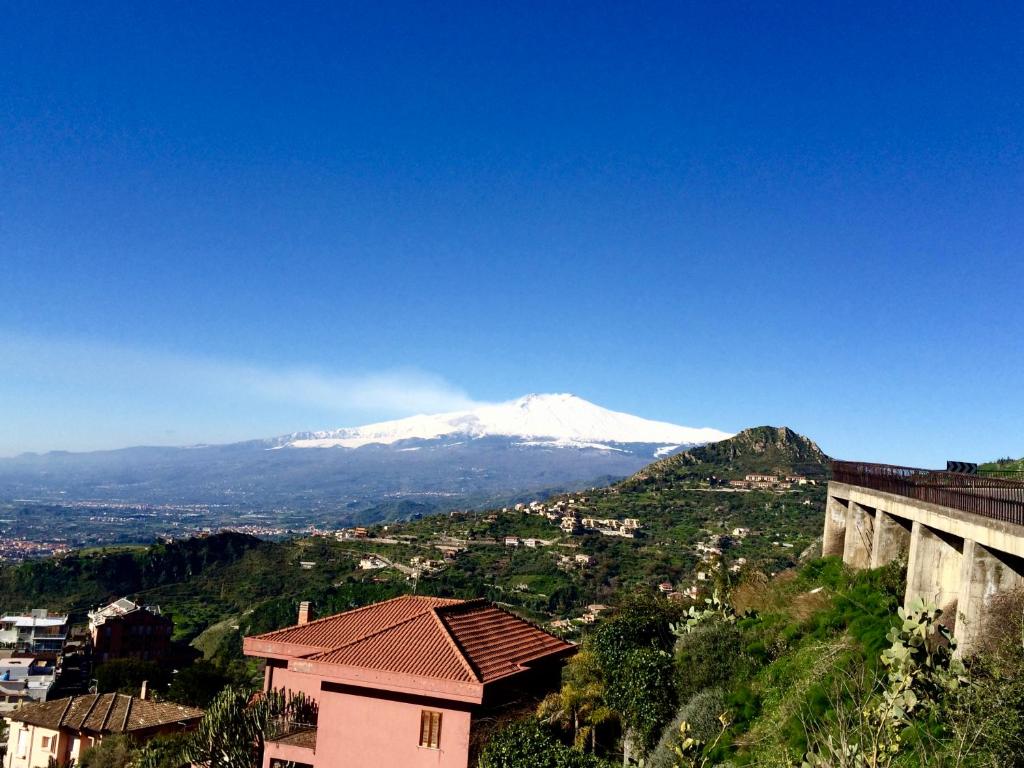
pixel 62 729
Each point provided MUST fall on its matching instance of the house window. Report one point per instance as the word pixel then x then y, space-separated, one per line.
pixel 46 743
pixel 430 729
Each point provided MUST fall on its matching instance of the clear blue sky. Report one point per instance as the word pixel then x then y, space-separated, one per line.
pixel 221 221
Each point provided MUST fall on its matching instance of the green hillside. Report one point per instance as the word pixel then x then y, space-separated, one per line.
pixel 222 587
pixel 1013 468
pixel 760 450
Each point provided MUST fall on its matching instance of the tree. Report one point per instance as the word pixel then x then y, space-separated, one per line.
pixel 165 751
pixel 197 685
pixel 231 732
pixel 128 675
pixel 236 725
pixel 528 744
pixel 633 651
pixel 580 705
pixel 114 751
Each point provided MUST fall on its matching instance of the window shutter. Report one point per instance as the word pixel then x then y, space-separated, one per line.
pixel 435 729
pixel 430 729
pixel 424 728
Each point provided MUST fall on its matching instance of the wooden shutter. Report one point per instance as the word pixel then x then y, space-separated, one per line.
pixel 430 729
pixel 424 728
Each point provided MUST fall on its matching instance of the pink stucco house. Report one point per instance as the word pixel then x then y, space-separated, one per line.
pixel 407 682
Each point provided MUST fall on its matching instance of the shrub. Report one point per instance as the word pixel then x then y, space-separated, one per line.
pixel 710 655
pixel 701 712
pixel 113 752
pixel 128 675
pixel 528 744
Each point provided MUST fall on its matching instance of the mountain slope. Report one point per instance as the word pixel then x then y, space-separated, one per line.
pixel 762 450
pixel 538 444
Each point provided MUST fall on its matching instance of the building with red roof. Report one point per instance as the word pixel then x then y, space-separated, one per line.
pixel 404 682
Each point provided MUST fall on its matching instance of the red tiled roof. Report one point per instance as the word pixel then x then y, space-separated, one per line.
pixel 462 641
pixel 104 713
pixel 495 642
pixel 343 628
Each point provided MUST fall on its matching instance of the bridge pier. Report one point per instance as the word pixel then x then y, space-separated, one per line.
pixel 892 539
pixel 835 526
pixel 957 559
pixel 933 570
pixel 985 573
pixel 859 535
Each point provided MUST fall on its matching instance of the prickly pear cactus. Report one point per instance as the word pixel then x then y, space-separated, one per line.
pixel 715 608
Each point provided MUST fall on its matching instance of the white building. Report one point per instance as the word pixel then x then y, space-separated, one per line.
pixel 23 681
pixel 39 631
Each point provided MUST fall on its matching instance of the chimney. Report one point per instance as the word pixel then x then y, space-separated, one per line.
pixel 304 612
pixel 145 690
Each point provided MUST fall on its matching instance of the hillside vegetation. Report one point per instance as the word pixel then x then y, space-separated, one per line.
pixel 817 668
pixel 759 450
pixel 223 586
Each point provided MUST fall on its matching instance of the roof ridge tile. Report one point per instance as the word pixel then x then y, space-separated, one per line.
pixel 474 673
pixel 369 635
pixel 362 609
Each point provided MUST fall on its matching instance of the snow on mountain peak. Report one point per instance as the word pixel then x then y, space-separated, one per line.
pixel 558 419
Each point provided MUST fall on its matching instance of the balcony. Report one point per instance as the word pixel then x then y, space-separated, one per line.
pixel 290 742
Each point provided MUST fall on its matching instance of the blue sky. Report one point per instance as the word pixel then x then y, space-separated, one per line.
pixel 221 221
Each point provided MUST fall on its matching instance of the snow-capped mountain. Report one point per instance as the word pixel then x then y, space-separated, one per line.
pixel 488 455
pixel 556 420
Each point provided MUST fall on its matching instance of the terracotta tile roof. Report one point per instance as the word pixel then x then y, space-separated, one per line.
pixel 497 643
pixel 420 646
pixel 462 641
pixel 343 628
pixel 104 713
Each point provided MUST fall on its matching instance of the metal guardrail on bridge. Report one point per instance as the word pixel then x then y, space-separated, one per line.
pixel 992 497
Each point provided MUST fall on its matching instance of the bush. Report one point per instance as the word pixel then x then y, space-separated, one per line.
pixel 113 752
pixel 128 675
pixel 528 744
pixel 701 712
pixel 708 656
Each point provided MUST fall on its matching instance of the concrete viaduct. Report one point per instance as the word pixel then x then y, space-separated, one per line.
pixel 962 536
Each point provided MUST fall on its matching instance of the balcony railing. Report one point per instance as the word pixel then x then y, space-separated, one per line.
pixel 292 733
pixel 992 497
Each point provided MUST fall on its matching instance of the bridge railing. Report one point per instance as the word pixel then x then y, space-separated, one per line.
pixel 992 497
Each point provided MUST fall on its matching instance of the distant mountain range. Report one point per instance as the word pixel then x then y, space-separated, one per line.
pixel 493 453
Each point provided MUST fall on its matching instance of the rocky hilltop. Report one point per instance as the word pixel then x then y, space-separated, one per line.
pixel 761 450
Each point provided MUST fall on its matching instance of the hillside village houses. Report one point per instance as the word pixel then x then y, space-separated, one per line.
pixel 58 732
pixel 406 682
pixel 38 631
pixel 24 680
pixel 129 630
pixel 766 482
